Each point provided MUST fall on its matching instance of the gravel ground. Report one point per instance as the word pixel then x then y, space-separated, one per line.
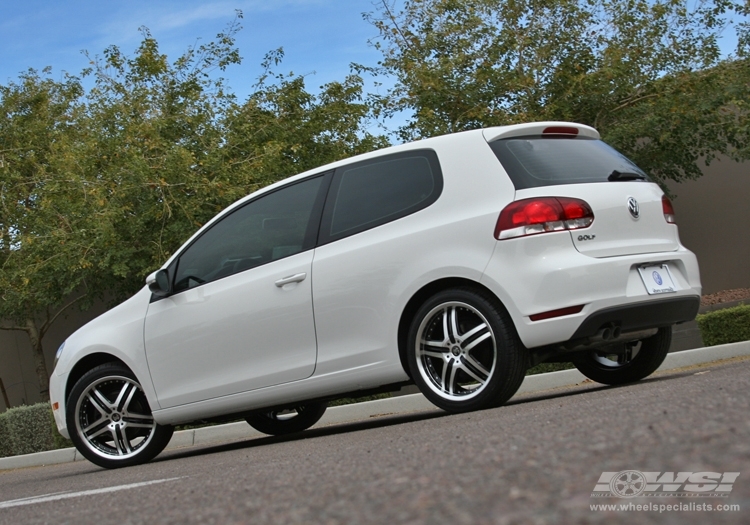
pixel 725 296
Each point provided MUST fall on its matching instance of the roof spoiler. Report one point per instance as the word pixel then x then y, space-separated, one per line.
pixel 550 128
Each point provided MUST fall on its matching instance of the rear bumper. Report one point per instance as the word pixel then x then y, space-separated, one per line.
pixel 640 316
pixel 545 273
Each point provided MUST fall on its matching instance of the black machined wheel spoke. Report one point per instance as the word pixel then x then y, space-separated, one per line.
pixel 100 402
pixel 131 394
pixel 432 353
pixel 477 331
pixel 138 423
pixel 447 376
pixel 123 444
pixel 122 397
pixel 478 335
pixel 440 346
pixel 97 428
pixel 472 367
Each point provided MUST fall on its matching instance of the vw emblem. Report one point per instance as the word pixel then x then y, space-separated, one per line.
pixel 633 208
pixel 657 278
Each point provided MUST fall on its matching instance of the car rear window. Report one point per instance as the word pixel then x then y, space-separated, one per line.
pixel 536 161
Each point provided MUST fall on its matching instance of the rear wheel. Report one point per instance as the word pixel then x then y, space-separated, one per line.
pixel 110 421
pixel 628 362
pixel 279 422
pixel 463 351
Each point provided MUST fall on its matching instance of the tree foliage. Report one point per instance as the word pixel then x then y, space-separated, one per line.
pixel 648 74
pixel 98 187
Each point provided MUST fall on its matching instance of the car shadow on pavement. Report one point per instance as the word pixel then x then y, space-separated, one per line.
pixel 386 420
pixel 378 421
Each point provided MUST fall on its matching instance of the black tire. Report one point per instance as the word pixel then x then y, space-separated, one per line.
pixel 280 422
pixel 114 427
pixel 463 351
pixel 641 360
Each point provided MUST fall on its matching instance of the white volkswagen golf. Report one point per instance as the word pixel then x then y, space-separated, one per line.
pixel 455 263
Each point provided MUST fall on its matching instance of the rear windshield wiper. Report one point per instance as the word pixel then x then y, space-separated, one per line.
pixel 625 175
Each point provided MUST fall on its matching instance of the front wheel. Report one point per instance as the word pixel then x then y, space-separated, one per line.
pixel 463 351
pixel 110 421
pixel 280 422
pixel 628 362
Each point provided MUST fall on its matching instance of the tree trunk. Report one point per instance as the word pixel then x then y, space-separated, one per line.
pixel 41 365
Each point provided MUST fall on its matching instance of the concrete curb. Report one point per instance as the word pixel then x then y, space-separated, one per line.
pixel 381 407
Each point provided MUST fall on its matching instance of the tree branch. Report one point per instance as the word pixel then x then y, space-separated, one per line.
pixel 48 323
pixel 13 328
pixel 395 23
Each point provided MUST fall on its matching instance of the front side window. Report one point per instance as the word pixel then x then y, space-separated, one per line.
pixel 274 226
pixel 370 193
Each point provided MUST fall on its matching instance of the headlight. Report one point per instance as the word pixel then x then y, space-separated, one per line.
pixel 57 355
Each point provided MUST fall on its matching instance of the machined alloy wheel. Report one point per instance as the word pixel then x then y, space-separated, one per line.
pixel 627 362
pixel 288 421
pixel 463 352
pixel 110 420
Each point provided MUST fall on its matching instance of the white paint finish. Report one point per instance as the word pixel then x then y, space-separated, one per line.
pixel 342 381
pixel 45 498
pixel 119 333
pixel 232 335
pixel 545 272
pixel 535 128
pixel 362 283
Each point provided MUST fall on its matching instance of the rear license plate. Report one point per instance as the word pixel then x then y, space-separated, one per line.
pixel 657 279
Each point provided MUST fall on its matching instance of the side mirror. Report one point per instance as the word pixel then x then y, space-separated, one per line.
pixel 158 283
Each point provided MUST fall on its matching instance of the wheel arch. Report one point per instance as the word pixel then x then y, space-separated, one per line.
pixel 87 363
pixel 422 295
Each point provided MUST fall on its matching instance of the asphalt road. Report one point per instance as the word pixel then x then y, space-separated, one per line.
pixel 536 460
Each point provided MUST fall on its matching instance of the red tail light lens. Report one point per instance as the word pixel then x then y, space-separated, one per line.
pixel 666 205
pixel 542 215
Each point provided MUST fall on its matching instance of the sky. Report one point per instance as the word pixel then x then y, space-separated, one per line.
pixel 320 37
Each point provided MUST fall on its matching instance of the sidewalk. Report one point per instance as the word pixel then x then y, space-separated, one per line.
pixel 392 406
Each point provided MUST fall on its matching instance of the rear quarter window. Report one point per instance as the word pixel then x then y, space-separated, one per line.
pixel 537 161
pixel 368 194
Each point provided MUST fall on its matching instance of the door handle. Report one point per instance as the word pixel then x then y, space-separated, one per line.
pixel 296 278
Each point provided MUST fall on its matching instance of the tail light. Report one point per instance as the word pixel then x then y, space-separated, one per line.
pixel 560 130
pixel 666 205
pixel 542 215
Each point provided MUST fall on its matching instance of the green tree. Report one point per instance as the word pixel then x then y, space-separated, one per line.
pixel 99 187
pixel 283 129
pixel 648 74
pixel 44 233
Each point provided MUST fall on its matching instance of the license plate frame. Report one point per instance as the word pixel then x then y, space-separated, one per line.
pixel 657 278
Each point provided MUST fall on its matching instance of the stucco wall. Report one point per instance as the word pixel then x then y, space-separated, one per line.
pixel 17 368
pixel 713 215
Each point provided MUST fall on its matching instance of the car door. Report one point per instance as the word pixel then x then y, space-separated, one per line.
pixel 240 314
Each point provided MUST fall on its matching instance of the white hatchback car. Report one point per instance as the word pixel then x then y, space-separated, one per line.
pixel 455 263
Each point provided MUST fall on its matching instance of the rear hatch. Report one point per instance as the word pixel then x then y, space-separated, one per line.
pixel 630 213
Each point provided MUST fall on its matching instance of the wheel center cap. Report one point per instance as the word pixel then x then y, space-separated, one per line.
pixel 456 350
pixel 115 417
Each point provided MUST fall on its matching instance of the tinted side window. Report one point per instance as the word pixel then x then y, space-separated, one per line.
pixel 264 230
pixel 532 162
pixel 370 193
